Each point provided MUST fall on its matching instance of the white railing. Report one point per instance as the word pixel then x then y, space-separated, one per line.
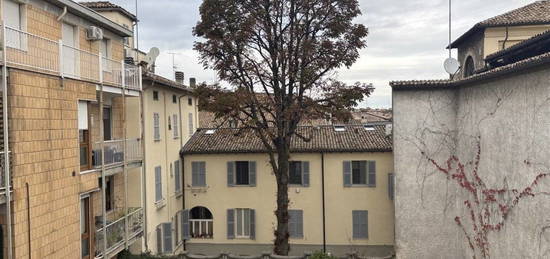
pixel 134 151
pixel 201 228
pixel 29 51
pixel 114 152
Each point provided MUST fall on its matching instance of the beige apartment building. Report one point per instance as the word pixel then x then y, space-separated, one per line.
pixel 341 191
pixel 72 128
pixel 169 119
pixel 498 33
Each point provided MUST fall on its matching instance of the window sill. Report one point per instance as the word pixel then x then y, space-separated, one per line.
pixel 89 171
pixel 360 186
pixel 241 185
pixel 160 204
pixel 178 194
pixel 297 186
pixel 296 238
pixel 157 140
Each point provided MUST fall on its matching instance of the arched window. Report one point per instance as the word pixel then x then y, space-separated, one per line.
pixel 201 222
pixel 469 67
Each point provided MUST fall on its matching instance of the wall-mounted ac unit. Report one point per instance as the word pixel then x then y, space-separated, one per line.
pixel 94 33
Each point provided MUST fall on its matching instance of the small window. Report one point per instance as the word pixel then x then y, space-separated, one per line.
pixel 190 101
pixel 298 173
pixel 155 95
pixel 210 131
pixel 169 123
pixel 296 223
pixel 360 220
pixel 109 193
pixel 469 67
pixel 242 173
pixel 359 172
pixel 174 99
pixel 339 128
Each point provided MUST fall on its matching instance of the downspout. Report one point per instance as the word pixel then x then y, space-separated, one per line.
pixel 183 187
pixel 29 219
pixel 323 201
pixel 505 39
pixel 166 162
pixel 144 164
pixel 62 14
pixel 182 161
pixel 7 178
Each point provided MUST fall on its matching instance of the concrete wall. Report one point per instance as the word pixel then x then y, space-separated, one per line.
pixel 510 118
pixel 340 201
pixel 164 153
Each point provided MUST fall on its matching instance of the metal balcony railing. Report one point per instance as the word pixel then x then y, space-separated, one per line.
pixel 114 152
pixel 35 53
pixel 115 233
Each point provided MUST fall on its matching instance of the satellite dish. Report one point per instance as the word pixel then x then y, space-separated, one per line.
pixel 152 56
pixel 451 65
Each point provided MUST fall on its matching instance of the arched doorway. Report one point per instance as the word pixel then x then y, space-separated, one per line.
pixel 201 222
pixel 469 67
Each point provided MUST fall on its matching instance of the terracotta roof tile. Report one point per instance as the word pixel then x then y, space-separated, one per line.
pixel 532 14
pixel 106 5
pixel 355 138
pixel 543 59
pixel 156 79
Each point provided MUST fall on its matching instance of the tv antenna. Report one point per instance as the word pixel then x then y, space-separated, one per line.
pixel 174 67
pixel 451 65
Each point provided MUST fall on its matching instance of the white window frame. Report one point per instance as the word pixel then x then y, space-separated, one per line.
pixel 243 222
pixel 105 57
pixel 20 31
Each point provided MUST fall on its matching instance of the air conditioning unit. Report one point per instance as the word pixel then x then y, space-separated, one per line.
pixel 94 33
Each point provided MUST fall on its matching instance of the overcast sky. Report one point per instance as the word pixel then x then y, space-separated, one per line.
pixel 407 38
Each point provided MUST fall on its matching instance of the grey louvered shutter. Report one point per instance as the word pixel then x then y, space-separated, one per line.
pixel 190 120
pixel 185 230
pixel 295 224
pixel 230 224
pixel 300 223
pixel 177 175
pixel 158 183
pixel 202 173
pixel 159 239
pixel 305 173
pixel 231 173
pixel 252 173
pixel 360 224
pixel 194 173
pixel 167 237
pixel 252 224
pixel 391 184
pixel 347 173
pixel 371 165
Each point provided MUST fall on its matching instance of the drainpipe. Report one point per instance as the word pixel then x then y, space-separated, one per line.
pixel 505 38
pixel 62 14
pixel 323 201
pixel 182 160
pixel 103 182
pixel 144 164
pixel 7 178
pixel 125 152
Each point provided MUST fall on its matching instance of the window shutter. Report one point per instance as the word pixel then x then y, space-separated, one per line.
pixel 185 230
pixel 176 127
pixel 159 239
pixel 230 173
pixel 305 173
pixel 230 224
pixel 195 173
pixel 156 126
pixel 202 173
pixel 371 173
pixel 360 224
pixel 178 175
pixel 176 223
pixel 347 173
pixel 158 183
pixel 252 224
pixel 391 184
pixel 252 173
pixel 295 224
pixel 167 237
pixel 300 223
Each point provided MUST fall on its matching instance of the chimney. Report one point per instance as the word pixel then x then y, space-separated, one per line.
pixel 389 129
pixel 180 77
pixel 192 82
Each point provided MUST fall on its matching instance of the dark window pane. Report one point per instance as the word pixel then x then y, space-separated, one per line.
pixel 83 156
pixel 107 124
pixel 174 99
pixel 295 173
pixel 155 95
pixel 359 171
pixel 241 173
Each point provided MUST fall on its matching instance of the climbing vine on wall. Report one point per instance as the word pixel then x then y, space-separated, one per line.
pixel 487 209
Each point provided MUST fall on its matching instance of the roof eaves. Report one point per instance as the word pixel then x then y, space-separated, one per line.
pixel 83 11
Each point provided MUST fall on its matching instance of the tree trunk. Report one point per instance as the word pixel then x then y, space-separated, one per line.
pixel 282 246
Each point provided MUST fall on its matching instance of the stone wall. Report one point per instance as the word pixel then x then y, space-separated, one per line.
pixel 508 119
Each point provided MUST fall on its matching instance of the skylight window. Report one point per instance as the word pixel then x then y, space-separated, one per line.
pixel 339 128
pixel 369 127
pixel 210 132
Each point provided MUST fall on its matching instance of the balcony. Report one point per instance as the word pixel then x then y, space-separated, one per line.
pixel 114 153
pixel 35 53
pixel 115 233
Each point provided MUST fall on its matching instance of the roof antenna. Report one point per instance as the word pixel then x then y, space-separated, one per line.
pixel 451 65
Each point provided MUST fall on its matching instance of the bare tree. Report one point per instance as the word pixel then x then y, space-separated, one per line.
pixel 279 56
